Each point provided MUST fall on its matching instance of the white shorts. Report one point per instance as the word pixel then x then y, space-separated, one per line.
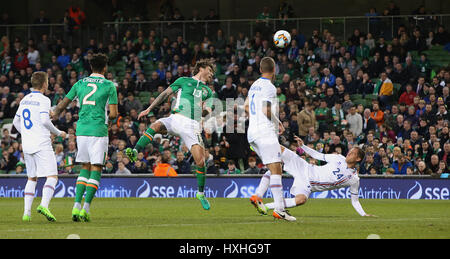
pixel 268 149
pixel 299 169
pixel 41 164
pixel 92 150
pixel 188 130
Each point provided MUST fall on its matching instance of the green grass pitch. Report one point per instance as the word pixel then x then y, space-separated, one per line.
pixel 230 219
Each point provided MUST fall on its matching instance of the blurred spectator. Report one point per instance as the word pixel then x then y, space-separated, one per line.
pixel 164 169
pixel 181 165
pixel 442 36
pixel 122 170
pixel 252 168
pixel 42 19
pixel 401 164
pixel 306 119
pixel 232 168
pixel 385 90
pixel 355 121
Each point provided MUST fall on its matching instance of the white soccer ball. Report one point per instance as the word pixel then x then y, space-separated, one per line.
pixel 281 39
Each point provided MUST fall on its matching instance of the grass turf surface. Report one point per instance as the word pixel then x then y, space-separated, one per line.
pixel 228 218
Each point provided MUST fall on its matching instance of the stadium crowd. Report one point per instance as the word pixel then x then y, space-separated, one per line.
pixel 372 90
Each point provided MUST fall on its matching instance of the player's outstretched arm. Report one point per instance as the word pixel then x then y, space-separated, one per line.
pixel 47 123
pixel 354 188
pixel 314 153
pixel 357 206
pixel 311 152
pixel 60 107
pixel 160 99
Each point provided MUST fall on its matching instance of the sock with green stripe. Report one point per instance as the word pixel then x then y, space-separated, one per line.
pixel 91 188
pixel 145 139
pixel 80 187
pixel 200 173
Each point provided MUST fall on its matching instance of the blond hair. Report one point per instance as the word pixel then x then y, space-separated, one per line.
pixel 38 79
pixel 267 65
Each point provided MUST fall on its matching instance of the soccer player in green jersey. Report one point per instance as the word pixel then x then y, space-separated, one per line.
pixel 184 121
pixel 95 94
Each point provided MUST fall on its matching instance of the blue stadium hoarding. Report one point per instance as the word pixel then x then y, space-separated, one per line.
pixel 233 187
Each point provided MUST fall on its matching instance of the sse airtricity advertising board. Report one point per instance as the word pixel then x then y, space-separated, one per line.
pixel 233 187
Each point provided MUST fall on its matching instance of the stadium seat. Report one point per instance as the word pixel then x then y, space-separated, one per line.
pixel 355 96
pixel 221 79
pixel 46 58
pixel 144 94
pixel 7 120
pixel 148 67
pixel 371 97
pixel 397 88
pixel 359 101
pixel 121 73
pixel 120 63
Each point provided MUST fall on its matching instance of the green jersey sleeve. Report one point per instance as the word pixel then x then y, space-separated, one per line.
pixel 113 94
pixel 73 91
pixel 177 84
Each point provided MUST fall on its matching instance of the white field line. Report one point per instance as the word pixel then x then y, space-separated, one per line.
pixel 299 220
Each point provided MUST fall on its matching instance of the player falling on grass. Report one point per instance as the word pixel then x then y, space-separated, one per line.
pixel 95 94
pixel 191 92
pixel 339 172
pixel 261 105
pixel 32 121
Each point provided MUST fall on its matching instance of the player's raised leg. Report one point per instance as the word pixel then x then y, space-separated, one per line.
pixel 298 168
pixel 263 186
pixel 144 140
pixel 198 152
pixel 291 202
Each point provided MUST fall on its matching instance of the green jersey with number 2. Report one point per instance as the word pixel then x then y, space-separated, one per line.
pixel 94 94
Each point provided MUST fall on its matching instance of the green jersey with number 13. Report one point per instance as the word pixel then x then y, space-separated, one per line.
pixel 94 94
pixel 190 96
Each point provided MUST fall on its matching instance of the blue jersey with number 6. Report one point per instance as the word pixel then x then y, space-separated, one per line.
pixel 35 136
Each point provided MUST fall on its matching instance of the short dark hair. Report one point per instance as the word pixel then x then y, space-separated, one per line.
pixel 98 62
